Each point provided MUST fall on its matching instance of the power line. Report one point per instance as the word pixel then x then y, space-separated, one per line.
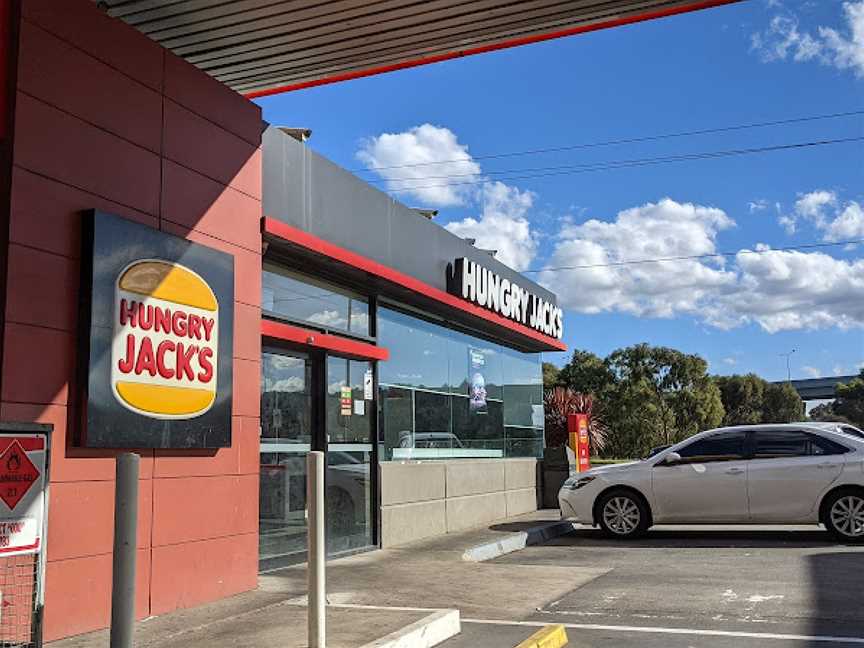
pixel 681 157
pixel 630 140
pixel 694 257
pixel 624 164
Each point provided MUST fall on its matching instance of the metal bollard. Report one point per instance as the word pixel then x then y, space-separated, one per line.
pixel 316 549
pixel 125 545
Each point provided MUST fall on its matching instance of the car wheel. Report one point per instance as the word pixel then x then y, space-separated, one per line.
pixel 844 515
pixel 623 514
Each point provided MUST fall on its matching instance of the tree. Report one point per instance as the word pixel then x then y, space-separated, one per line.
pixel 781 404
pixel 585 373
pixel 743 398
pixel 658 396
pixel 850 400
pixel 550 375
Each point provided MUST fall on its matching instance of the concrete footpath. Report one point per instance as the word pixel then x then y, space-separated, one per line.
pixel 371 595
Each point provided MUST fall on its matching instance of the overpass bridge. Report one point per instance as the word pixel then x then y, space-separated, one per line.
pixel 818 388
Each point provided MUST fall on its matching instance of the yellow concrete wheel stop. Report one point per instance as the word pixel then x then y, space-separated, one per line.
pixel 551 636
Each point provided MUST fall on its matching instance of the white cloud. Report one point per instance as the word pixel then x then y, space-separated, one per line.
pixel 843 48
pixel 502 226
pixel 502 222
pixel 813 205
pixel 789 290
pixel 663 229
pixel 847 52
pixel 730 361
pixel 849 224
pixel 757 205
pixel 838 370
pixel 402 160
pixel 811 372
pixel 777 290
pixel 838 221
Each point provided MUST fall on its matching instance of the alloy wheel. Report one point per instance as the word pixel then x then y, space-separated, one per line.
pixel 621 515
pixel 847 516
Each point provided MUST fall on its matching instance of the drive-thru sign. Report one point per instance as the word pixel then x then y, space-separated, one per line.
pixel 22 493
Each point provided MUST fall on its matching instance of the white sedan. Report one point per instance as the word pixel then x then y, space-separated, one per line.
pixel 754 474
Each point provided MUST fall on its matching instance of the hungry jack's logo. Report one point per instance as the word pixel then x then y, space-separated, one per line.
pixel 164 352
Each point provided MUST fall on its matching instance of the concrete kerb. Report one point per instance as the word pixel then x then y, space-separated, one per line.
pixel 425 633
pixel 535 535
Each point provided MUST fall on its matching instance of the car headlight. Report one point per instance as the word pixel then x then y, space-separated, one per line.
pixel 575 483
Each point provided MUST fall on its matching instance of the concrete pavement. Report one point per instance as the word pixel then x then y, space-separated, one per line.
pixel 718 587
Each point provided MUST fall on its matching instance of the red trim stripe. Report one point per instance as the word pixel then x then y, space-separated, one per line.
pixel 35 545
pixel 318 340
pixel 28 444
pixel 482 49
pixel 311 242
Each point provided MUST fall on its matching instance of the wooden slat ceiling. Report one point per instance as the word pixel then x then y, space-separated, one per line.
pixel 263 46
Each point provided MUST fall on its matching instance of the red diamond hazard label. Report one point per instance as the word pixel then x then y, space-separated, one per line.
pixel 17 474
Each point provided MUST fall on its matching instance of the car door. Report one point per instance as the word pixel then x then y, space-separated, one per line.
pixel 789 471
pixel 709 484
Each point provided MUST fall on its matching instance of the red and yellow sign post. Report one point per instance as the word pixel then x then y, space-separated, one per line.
pixel 577 429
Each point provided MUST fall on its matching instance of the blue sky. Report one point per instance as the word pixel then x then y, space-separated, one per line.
pixel 757 61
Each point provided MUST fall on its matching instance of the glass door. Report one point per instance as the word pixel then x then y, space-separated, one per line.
pixel 286 437
pixel 349 480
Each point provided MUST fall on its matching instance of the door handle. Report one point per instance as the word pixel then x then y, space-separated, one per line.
pixel 735 471
pixel 825 465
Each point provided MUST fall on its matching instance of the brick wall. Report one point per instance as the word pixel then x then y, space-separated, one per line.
pixel 107 119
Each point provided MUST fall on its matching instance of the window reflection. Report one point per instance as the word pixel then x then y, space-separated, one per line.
pixel 444 393
pixel 306 299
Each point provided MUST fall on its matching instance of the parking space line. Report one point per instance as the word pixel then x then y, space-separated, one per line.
pixel 676 631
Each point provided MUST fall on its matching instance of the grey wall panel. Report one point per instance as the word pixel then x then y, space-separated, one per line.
pixel 308 191
pixel 284 179
pixel 346 211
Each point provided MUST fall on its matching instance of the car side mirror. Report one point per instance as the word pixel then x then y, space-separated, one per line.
pixel 672 459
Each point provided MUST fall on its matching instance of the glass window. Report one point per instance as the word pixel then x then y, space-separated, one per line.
pixel 349 419
pixel 285 398
pixel 418 352
pixel 349 456
pixel 726 446
pixel 306 299
pixel 444 393
pixel 475 367
pixel 776 444
pixel 396 423
pixel 848 429
pixel 523 389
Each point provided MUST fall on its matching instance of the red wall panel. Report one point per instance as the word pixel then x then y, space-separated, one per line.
pixel 107 119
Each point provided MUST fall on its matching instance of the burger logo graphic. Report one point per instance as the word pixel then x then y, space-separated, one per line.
pixel 165 347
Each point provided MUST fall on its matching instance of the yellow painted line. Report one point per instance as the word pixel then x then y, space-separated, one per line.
pixel 552 636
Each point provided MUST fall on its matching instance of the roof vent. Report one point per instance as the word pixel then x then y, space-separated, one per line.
pixel 300 134
pixel 426 213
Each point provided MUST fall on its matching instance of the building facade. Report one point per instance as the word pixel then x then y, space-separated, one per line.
pixel 359 327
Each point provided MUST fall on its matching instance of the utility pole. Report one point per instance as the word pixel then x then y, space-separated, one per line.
pixel 788 365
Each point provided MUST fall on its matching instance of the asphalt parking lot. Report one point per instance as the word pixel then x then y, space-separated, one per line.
pixel 719 587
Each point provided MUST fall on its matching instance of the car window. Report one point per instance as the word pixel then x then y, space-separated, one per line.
pixel 823 446
pixel 777 444
pixel 726 446
pixel 852 431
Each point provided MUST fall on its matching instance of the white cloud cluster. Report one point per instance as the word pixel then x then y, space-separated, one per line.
pixel 655 230
pixel 783 40
pixel 502 225
pixel 778 290
pixel 402 159
pixel 502 222
pixel 837 220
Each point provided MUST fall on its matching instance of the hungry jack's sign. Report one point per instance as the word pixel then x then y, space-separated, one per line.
pixel 157 328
